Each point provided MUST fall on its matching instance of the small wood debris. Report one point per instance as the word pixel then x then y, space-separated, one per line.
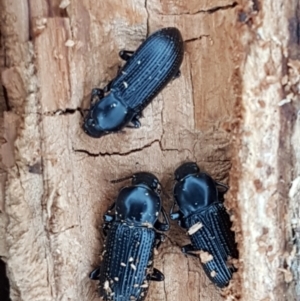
pixel 144 285
pixel 195 228
pixel 40 23
pixel 69 43
pixel 148 225
pixel 232 262
pixel 213 274
pixel 123 264
pixel 284 101
pixel 133 266
pixel 64 4
pixel 116 279
pixel 205 257
pixel 106 286
pixel 288 276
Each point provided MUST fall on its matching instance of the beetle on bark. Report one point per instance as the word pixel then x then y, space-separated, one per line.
pixel 132 233
pixel 201 211
pixel 146 72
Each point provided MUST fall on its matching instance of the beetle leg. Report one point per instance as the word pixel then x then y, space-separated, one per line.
pixel 119 70
pixel 105 227
pixel 134 123
pixel 178 74
pixel 94 274
pixel 108 218
pixel 175 215
pixel 107 87
pixel 188 250
pixel 111 207
pixel 162 226
pixel 224 188
pixel 159 239
pixel 156 275
pixel 125 54
pixel 96 95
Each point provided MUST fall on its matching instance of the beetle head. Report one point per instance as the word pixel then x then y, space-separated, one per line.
pixel 147 179
pixel 185 169
pixel 106 116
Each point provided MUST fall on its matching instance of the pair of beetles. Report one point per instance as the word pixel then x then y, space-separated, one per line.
pixel 135 223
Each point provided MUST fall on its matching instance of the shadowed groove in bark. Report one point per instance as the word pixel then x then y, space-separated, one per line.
pixel 4 283
pixel 132 151
pixel 114 153
pixel 294 30
pixel 206 11
pixel 197 38
pixel 6 100
pixel 255 5
pixel 64 112
pixel 147 22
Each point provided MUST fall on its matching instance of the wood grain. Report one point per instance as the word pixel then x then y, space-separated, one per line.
pixel 222 112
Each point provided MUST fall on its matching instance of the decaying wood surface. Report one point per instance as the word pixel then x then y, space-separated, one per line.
pixel 233 111
pixel 266 162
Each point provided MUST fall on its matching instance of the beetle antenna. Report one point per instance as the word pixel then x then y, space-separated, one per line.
pixel 121 179
pixel 223 187
pixel 163 191
pixel 82 111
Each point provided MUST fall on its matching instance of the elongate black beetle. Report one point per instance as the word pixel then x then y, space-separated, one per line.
pixel 201 211
pixel 146 72
pixel 132 233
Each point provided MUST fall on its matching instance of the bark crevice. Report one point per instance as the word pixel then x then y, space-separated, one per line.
pixel 211 10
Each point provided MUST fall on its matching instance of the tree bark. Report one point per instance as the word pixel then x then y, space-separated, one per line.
pixel 233 110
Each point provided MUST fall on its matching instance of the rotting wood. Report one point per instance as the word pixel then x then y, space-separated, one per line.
pixel 58 187
pixel 265 154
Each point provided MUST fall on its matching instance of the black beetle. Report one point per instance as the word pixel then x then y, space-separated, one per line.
pixel 201 211
pixel 146 72
pixel 132 233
